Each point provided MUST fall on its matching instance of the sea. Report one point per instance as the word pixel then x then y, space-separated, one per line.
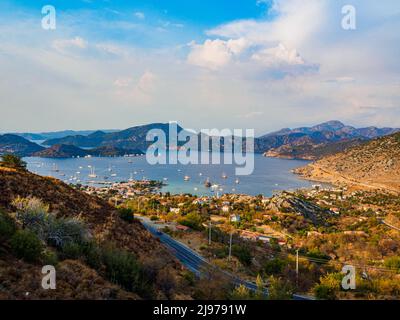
pixel 270 175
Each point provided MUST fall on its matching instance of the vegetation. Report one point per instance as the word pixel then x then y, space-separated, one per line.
pixel 126 214
pixel 26 245
pixel 7 226
pixel 12 161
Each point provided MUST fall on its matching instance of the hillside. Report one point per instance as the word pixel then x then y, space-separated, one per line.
pixel 104 225
pixel 312 152
pixel 374 164
pixel 316 141
pixel 131 138
pixel 10 143
pixel 69 150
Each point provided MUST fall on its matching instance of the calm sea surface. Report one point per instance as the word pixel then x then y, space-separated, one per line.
pixel 269 174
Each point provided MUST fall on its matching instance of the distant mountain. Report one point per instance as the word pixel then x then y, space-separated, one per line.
pixel 61 151
pixel 301 143
pixel 373 164
pixel 316 141
pixel 10 143
pixel 130 139
pixel 69 151
pixel 56 134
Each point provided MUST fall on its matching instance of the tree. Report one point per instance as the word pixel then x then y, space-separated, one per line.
pixel 279 289
pixel 12 161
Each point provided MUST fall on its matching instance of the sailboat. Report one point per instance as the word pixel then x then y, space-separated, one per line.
pixel 92 174
pixel 207 184
pixel 55 168
pixel 186 178
pixel 237 181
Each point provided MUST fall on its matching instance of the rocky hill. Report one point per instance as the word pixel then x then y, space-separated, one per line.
pixel 373 164
pixel 69 151
pixel 310 151
pixel 77 278
pixel 316 141
pixel 10 143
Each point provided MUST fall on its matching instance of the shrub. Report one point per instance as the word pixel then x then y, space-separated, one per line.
pixel 50 257
pixel 92 254
pixel 274 266
pixel 62 231
pixel 71 250
pixel 34 215
pixel 279 289
pixel 7 227
pixel 393 263
pixel 26 245
pixel 242 253
pixel 126 214
pixel 123 269
pixel 154 218
pixel 329 286
pixel 192 220
pixel 12 161
pixel 241 293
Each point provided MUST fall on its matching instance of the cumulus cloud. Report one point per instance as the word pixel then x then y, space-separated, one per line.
pixel 278 56
pixel 77 42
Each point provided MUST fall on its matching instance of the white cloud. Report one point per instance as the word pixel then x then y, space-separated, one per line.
pixel 140 15
pixel 278 56
pixel 213 54
pixel 76 42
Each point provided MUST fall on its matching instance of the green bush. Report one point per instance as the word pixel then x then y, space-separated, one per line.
pixel 393 263
pixel 154 218
pixel 26 245
pixel 123 269
pixel 7 227
pixel 71 250
pixel 34 215
pixel 274 266
pixel 50 258
pixel 12 161
pixel 92 254
pixel 192 220
pixel 329 286
pixel 126 214
pixel 242 253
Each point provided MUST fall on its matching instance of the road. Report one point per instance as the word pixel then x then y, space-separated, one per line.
pixel 188 257
pixel 193 261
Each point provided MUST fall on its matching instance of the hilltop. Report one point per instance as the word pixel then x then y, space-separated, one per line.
pixel 373 164
pixel 68 151
pixel 105 227
pixel 311 143
pixel 10 143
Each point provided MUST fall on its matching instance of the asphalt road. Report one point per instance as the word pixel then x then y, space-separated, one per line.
pixel 195 262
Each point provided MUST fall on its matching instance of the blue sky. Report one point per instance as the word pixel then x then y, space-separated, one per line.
pixel 262 64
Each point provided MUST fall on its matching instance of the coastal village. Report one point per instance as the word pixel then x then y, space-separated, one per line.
pixel 329 226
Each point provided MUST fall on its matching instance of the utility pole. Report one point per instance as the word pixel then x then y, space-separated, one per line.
pixel 209 234
pixel 297 267
pixel 230 246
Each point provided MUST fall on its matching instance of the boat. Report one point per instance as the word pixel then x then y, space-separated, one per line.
pixel 55 168
pixel 224 176
pixel 237 181
pixel 207 183
pixel 113 174
pixel 92 174
pixel 186 178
